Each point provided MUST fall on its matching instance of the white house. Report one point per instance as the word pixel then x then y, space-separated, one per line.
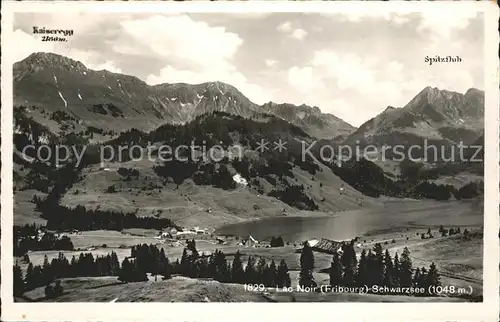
pixel 240 180
pixel 250 241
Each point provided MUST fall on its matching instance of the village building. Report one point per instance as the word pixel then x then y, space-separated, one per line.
pixel 249 242
pixel 324 245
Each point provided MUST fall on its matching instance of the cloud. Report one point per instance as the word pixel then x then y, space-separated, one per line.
pixel 29 44
pixel 299 34
pixel 302 78
pixel 434 23
pixel 109 66
pixel 201 53
pixel 270 62
pixel 179 38
pixel 285 27
pixel 349 70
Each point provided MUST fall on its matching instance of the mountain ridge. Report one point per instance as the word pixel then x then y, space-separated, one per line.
pixel 78 88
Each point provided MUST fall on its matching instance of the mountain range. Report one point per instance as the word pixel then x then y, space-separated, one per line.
pixel 60 101
pixel 117 102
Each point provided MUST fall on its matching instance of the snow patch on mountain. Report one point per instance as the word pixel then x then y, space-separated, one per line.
pixel 62 97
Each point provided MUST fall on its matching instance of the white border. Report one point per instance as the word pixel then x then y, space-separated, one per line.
pixel 486 311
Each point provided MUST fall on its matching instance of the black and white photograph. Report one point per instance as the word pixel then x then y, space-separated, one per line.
pixel 232 156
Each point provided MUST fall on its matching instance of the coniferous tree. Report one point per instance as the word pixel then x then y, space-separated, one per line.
pixel 115 264
pixel 405 268
pixel 30 277
pixel 237 272
pixel 349 263
pixel 336 270
pixel 58 289
pixel 165 269
pixel 377 268
pixel 396 271
pixel 306 267
pixel 185 263
pixel 271 274
pixel 283 277
pixel 194 268
pixel 371 273
pixel 18 280
pixel 49 291
pixel 261 269
pixel 417 278
pixel 203 267
pixel 363 270
pixel 125 271
pixel 432 277
pixel 422 281
pixel 250 272
pixel 226 277
pixel 47 271
pixel 138 273
pixel 389 279
pixel 38 276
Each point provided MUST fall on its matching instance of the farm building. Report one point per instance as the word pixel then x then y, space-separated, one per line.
pixel 327 246
pixel 250 241
pixel 324 245
pixel 198 231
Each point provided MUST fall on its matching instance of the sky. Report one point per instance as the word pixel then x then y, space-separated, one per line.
pixel 352 65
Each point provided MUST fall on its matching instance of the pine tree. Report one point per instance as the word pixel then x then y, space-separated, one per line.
pixel 30 277
pixel 422 281
pixel 237 273
pixel 49 291
pixel 349 263
pixel 165 269
pixel 362 273
pixel 306 267
pixel 389 279
pixel 47 270
pixel 432 277
pixel 18 280
pixel 125 271
pixel 261 269
pixel 58 289
pixel 115 264
pixel 417 278
pixel 138 273
pixel 378 265
pixel 185 263
pixel 405 269
pixel 283 277
pixel 336 270
pixel 271 275
pixel 250 272
pixel 203 267
pixel 396 271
